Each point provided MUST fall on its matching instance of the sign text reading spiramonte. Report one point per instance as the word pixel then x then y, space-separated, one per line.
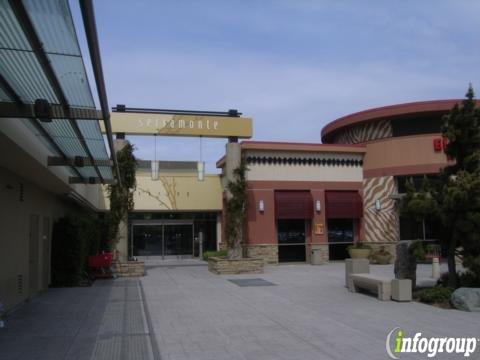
pixel 180 125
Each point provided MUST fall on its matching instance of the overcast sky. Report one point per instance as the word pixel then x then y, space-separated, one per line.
pixel 292 65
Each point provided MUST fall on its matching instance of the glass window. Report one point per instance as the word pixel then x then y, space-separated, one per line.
pixel 291 231
pixel 291 240
pixel 340 230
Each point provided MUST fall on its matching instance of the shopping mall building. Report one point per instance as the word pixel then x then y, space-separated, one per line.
pixel 301 196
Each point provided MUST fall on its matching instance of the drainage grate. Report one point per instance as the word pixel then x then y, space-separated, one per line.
pixel 251 282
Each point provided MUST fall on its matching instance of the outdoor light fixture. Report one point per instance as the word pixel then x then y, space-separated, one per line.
pixel 155 172
pixel 201 163
pixel 200 170
pixel 43 110
pixel 261 206
pixel 378 205
pixel 318 206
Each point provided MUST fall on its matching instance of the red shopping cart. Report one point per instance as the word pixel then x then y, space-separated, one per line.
pixel 100 265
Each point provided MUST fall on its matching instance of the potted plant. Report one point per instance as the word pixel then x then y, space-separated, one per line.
pixel 359 251
pixel 382 256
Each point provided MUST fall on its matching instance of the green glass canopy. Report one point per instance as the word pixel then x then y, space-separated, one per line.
pixel 41 61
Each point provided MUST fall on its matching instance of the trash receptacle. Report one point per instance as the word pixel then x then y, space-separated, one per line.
pixel 316 256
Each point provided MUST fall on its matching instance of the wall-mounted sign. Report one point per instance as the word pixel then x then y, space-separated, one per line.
pixel 180 125
pixel 319 228
pixel 439 144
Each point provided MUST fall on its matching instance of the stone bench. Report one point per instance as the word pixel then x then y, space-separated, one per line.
pixel 355 266
pixel 380 285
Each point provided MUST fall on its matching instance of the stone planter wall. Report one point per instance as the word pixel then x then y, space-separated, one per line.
pixel 219 265
pixel 267 252
pixel 130 268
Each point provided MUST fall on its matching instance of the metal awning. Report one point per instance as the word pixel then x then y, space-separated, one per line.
pixel 43 82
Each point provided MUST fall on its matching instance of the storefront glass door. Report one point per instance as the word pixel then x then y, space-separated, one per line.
pixel 178 240
pixel 340 237
pixel 291 240
pixel 162 240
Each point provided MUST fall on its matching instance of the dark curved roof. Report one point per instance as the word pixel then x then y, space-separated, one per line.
pixel 406 110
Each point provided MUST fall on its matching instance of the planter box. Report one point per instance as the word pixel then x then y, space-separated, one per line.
pixel 359 253
pixel 130 268
pixel 218 265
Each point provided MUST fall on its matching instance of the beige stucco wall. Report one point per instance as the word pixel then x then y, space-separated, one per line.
pixel 27 156
pixel 16 285
pixel 178 191
pixel 280 172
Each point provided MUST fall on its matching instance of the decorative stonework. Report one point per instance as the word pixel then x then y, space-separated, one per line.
pixel 219 266
pixel 288 160
pixel 267 252
pixel 130 268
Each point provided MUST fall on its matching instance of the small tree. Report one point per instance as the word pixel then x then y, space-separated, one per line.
pixel 121 197
pixel 461 191
pixel 420 204
pixel 456 198
pixel 236 205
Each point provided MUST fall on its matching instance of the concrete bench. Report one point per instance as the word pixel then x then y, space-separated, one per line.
pixel 380 285
pixel 355 266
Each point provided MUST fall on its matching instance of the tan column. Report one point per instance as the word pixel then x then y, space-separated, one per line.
pixel 219 230
pixel 232 160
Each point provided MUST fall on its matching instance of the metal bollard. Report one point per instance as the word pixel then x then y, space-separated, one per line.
pixel 435 268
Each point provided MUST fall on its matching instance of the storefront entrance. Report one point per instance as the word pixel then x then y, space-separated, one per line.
pixel 340 237
pixel 162 239
pixel 291 240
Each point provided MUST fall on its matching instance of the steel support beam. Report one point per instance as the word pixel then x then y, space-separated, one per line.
pixel 123 108
pixel 77 161
pixel 90 180
pixel 27 111
pixel 88 15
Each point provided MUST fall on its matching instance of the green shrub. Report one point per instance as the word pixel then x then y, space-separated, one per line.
pixel 468 279
pixel 417 249
pixel 435 295
pixel 220 253
pixel 464 279
pixel 73 239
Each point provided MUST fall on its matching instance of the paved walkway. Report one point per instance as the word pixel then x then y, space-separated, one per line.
pixel 184 312
pixel 308 314
pixel 105 321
